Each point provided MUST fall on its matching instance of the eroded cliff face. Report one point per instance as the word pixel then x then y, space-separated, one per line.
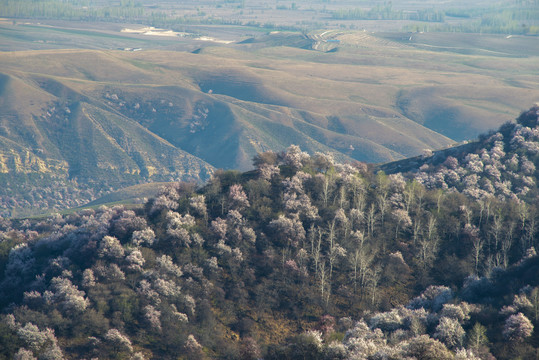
pixel 26 162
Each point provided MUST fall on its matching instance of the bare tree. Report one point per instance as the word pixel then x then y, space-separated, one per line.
pixel 383 204
pixel 374 276
pixel 496 231
pixel 326 188
pixel 428 244
pixel 507 242
pixel 477 243
pixel 477 336
pixel 371 219
pixel 322 275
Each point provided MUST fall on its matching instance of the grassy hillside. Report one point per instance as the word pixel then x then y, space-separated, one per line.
pixel 130 194
pixel 124 117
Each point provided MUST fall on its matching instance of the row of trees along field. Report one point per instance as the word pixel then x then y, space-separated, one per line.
pixel 301 258
pixel 387 12
pixel 128 11
pixel 515 17
pixel 89 10
pixel 512 18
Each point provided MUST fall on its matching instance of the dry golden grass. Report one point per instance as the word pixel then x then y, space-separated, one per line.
pixel 377 98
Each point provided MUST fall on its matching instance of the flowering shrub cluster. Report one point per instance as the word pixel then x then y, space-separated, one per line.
pixel 301 258
pixel 502 166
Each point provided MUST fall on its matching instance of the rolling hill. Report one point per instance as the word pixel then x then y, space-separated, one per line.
pixel 111 118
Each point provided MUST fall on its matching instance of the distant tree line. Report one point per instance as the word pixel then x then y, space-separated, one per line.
pixel 387 12
pixel 73 10
pixel 518 18
pixel 124 11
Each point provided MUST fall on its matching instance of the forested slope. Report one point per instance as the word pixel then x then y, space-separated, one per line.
pixel 301 258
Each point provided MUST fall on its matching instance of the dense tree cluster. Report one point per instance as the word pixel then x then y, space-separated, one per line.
pixel 300 258
pixel 387 12
pixel 25 194
pixel 503 164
